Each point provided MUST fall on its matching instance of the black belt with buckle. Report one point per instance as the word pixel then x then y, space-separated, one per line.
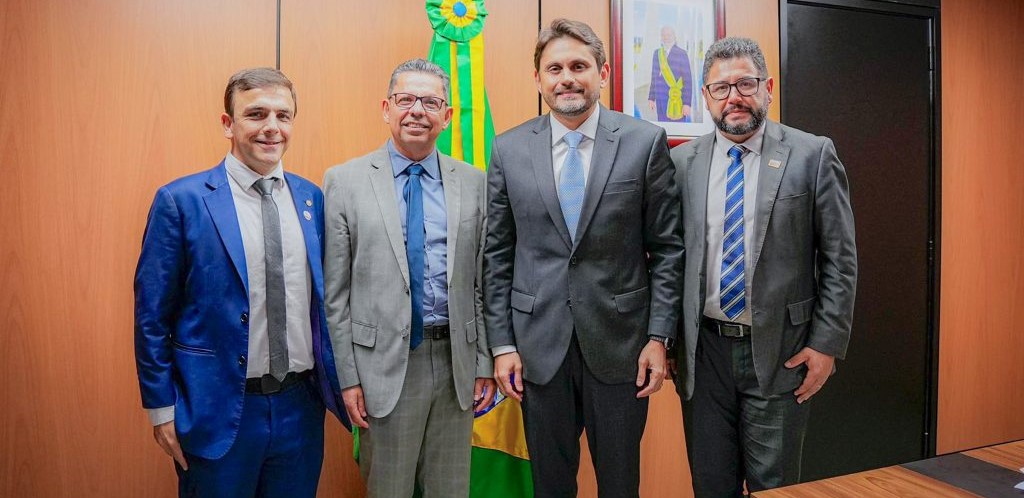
pixel 727 329
pixel 269 385
pixel 436 332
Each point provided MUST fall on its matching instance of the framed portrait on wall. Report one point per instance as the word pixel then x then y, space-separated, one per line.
pixel 658 49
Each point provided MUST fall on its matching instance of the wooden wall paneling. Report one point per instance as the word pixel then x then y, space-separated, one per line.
pixel 102 101
pixel 595 14
pixel 982 267
pixel 759 21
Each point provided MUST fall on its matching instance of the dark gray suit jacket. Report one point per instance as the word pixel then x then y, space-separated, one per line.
pixel 618 282
pixel 804 255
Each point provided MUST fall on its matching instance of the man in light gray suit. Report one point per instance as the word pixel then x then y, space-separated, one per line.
pixel 403 248
pixel 583 266
pixel 771 270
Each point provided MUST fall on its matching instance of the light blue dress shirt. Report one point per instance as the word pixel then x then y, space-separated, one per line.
pixel 435 222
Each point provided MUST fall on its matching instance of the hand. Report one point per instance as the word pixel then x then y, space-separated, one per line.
pixel 650 104
pixel 651 368
pixel 687 110
pixel 508 371
pixel 483 393
pixel 819 368
pixel 167 438
pixel 354 405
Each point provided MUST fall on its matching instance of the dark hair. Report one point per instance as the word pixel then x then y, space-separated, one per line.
pixel 420 66
pixel 248 79
pixel 561 28
pixel 733 47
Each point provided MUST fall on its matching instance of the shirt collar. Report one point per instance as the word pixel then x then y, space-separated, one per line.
pixel 588 128
pixel 399 163
pixel 245 177
pixel 753 144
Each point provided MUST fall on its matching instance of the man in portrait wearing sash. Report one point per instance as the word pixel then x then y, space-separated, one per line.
pixel 671 84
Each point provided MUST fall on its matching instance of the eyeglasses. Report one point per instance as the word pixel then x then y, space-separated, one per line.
pixel 407 100
pixel 745 87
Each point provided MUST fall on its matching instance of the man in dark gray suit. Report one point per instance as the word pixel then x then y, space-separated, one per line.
pixel 769 283
pixel 583 262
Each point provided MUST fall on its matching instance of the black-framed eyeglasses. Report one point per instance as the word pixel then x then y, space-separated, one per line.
pixel 407 100
pixel 745 87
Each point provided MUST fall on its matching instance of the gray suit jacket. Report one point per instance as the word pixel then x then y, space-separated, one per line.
pixel 618 282
pixel 804 254
pixel 366 276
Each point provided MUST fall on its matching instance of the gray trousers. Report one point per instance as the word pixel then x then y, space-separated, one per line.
pixel 425 441
pixel 734 433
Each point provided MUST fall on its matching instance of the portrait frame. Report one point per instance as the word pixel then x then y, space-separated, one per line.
pixel 644 80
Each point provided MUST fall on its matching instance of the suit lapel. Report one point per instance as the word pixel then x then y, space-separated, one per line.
pixel 697 187
pixel 452 185
pixel 774 155
pixel 302 197
pixel 540 153
pixel 382 179
pixel 221 206
pixel 606 144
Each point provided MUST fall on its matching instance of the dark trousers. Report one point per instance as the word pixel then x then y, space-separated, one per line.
pixel 555 415
pixel 278 452
pixel 734 433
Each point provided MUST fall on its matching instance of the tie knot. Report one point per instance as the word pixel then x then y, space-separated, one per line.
pixel 265 186
pixel 736 152
pixel 573 139
pixel 415 170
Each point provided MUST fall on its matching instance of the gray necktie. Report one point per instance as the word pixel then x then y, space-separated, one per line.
pixel 276 315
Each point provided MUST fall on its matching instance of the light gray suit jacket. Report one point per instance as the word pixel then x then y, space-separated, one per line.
pixel 804 264
pixel 366 276
pixel 616 284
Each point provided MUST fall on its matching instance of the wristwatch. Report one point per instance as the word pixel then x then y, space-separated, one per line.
pixel 668 342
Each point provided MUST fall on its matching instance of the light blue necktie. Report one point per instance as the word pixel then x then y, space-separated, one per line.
pixel 732 286
pixel 414 230
pixel 571 184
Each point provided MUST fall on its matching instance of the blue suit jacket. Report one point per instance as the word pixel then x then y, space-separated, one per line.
pixel 192 308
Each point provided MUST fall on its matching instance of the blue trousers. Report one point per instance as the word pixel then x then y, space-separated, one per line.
pixel 278 452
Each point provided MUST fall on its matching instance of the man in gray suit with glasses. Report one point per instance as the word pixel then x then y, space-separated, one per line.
pixel 404 234
pixel 771 270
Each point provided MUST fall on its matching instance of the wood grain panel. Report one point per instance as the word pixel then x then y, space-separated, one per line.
pixel 1009 455
pixel 759 21
pixel 982 266
pixel 889 482
pixel 102 101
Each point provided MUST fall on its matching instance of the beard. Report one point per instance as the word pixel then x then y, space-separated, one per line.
pixel 757 117
pixel 576 107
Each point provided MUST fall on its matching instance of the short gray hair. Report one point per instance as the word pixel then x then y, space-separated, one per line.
pixel 421 66
pixel 731 48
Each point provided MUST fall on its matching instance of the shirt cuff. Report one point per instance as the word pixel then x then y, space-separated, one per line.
pixel 159 416
pixel 500 350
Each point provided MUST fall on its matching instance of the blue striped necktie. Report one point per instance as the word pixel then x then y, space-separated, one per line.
pixel 571 183
pixel 414 242
pixel 732 286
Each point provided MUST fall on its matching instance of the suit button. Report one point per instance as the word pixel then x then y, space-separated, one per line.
pixel 406 289
pixel 572 261
pixel 241 360
pixel 568 302
pixel 244 318
pixel 405 332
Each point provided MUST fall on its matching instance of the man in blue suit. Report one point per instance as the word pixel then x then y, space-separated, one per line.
pixel 234 359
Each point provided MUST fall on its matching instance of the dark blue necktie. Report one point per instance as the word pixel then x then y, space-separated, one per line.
pixel 732 286
pixel 413 195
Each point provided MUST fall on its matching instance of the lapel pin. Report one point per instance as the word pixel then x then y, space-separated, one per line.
pixel 774 163
pixel 307 216
pixel 309 202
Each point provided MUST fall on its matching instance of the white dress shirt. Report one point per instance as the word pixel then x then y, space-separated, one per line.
pixel 720 162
